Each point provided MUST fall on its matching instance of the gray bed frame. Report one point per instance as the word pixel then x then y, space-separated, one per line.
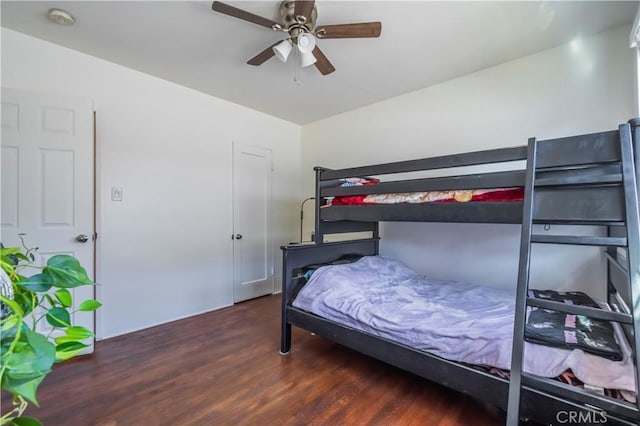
pixel 581 180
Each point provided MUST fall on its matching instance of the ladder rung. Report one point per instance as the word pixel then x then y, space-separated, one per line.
pixel 621 306
pixel 574 393
pixel 617 263
pixel 579 180
pixel 579 240
pixel 587 311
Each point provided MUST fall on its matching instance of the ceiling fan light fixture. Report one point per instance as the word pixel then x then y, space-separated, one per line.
pixel 282 50
pixel 307 59
pixel 306 43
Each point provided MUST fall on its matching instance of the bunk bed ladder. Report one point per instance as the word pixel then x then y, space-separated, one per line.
pixel 626 237
pixel 515 385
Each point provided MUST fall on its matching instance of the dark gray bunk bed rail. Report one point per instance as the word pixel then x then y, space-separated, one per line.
pixel 578 204
pixel 580 161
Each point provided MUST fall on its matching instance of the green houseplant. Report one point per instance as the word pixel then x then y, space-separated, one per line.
pixel 26 354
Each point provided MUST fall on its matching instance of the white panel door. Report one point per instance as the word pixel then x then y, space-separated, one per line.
pixel 252 252
pixel 47 179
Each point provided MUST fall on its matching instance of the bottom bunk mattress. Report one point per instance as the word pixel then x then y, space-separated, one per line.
pixel 458 321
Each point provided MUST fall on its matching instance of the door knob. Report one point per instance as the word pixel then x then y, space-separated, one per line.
pixel 82 238
pixel 238 236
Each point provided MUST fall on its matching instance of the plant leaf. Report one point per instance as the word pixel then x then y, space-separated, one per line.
pixel 9 327
pixel 59 317
pixel 75 334
pixel 28 364
pixel 39 283
pixel 44 349
pixel 67 350
pixel 49 299
pixel 9 255
pixel 26 389
pixel 32 356
pixel 14 305
pixel 25 300
pixel 26 421
pixel 64 297
pixel 89 305
pixel 66 271
pixel 7 251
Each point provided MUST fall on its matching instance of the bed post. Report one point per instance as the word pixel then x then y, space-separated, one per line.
pixel 319 233
pixel 633 237
pixel 635 142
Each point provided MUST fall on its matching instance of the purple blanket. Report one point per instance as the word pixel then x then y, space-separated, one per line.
pixel 454 320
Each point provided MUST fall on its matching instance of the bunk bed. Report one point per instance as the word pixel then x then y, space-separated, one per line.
pixel 578 180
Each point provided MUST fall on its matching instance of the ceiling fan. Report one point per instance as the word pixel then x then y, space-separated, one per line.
pixel 299 22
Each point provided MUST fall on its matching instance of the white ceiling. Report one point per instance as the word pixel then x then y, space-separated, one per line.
pixel 422 43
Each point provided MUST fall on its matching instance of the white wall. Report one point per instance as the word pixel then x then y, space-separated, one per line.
pixel 582 87
pixel 165 252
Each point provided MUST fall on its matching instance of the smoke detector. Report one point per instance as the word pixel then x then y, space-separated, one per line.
pixel 60 16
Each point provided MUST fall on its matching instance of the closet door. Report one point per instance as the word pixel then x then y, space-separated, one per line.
pixel 252 249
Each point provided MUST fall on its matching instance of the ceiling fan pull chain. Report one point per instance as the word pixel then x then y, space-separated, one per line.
pixel 296 69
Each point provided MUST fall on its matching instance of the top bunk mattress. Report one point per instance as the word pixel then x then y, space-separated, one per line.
pixel 515 194
pixel 457 321
pixel 369 200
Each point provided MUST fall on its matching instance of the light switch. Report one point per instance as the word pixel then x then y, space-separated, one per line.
pixel 116 194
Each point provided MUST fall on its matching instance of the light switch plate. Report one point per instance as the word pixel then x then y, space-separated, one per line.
pixel 116 194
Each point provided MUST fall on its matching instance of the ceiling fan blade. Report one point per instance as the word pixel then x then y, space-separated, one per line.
pixel 242 14
pixel 263 56
pixel 303 8
pixel 322 63
pixel 361 30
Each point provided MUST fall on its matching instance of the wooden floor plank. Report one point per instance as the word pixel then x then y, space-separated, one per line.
pixel 223 368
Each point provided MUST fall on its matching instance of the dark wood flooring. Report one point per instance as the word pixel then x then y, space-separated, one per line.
pixel 223 368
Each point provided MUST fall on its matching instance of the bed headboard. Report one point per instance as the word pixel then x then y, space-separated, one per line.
pixel 298 256
pixel 322 228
